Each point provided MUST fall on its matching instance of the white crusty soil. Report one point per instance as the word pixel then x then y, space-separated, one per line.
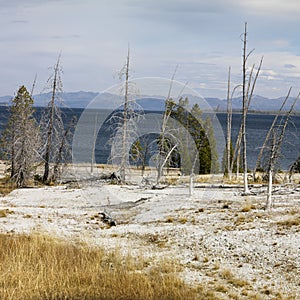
pixel 219 237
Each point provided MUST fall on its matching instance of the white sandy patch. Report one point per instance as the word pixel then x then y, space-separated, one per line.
pixel 206 233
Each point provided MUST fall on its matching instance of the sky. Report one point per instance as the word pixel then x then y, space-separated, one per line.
pixel 202 38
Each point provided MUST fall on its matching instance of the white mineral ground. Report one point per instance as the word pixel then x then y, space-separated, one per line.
pixel 214 230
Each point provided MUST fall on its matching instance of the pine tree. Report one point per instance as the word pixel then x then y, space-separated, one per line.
pixel 21 138
pixel 192 129
pixel 200 137
pixel 136 152
pixel 212 145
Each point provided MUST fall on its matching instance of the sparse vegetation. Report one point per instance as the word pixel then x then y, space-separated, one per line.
pixel 290 221
pixel 6 186
pixel 247 207
pixel 43 267
pixel 5 212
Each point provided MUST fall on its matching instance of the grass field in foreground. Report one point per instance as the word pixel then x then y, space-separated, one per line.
pixel 43 267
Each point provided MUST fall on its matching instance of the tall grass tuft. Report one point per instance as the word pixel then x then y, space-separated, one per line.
pixel 42 267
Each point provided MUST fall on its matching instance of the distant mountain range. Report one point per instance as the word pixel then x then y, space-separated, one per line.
pixel 81 99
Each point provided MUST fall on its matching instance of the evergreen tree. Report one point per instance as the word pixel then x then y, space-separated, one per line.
pixel 296 166
pixel 200 137
pixel 136 152
pixel 21 138
pixel 192 129
pixel 212 144
pixel 185 161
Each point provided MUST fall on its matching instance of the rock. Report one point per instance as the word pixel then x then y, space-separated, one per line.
pixel 107 219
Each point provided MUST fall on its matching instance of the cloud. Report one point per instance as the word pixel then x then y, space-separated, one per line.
pixel 274 8
pixel 19 21
pixel 290 66
pixel 202 37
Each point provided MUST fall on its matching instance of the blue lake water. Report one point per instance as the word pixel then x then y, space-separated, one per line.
pixel 257 128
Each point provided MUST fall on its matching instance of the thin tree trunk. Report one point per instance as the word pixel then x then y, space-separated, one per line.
pixel 124 135
pixel 166 116
pixel 275 149
pixel 192 175
pixel 13 155
pixel 51 122
pixel 60 150
pixel 236 155
pixel 238 159
pixel 229 121
pixel 94 145
pixel 269 192
pixel 191 185
pixel 245 100
pixel 268 135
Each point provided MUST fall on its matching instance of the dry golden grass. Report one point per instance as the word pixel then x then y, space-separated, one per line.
pixel 42 267
pixel 5 212
pixel 246 207
pixel 6 186
pixel 290 221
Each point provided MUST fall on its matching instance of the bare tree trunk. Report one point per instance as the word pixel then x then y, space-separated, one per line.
pixel 238 160
pixel 191 185
pixel 33 85
pixel 271 168
pixel 269 192
pixel 13 156
pixel 237 151
pixel 245 100
pixel 94 145
pixel 124 135
pixel 166 116
pixel 246 103
pixel 229 121
pixel 62 146
pixel 275 149
pixel 51 122
pixel 268 135
pixel 192 175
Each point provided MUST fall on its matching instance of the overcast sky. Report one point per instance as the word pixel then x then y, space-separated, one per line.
pixel 202 37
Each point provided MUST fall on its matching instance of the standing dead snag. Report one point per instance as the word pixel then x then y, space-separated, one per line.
pixel 258 162
pixel 163 141
pixel 229 122
pixel 248 85
pixel 124 121
pixel 277 135
pixel 248 89
pixel 229 157
pixel 63 150
pixel 52 125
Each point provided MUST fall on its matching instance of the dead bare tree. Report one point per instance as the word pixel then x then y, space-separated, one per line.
pixel 94 144
pixel 229 157
pixel 64 150
pixel 277 135
pixel 259 157
pixel 229 122
pixel 165 133
pixel 125 118
pixel 52 123
pixel 124 121
pixel 248 86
